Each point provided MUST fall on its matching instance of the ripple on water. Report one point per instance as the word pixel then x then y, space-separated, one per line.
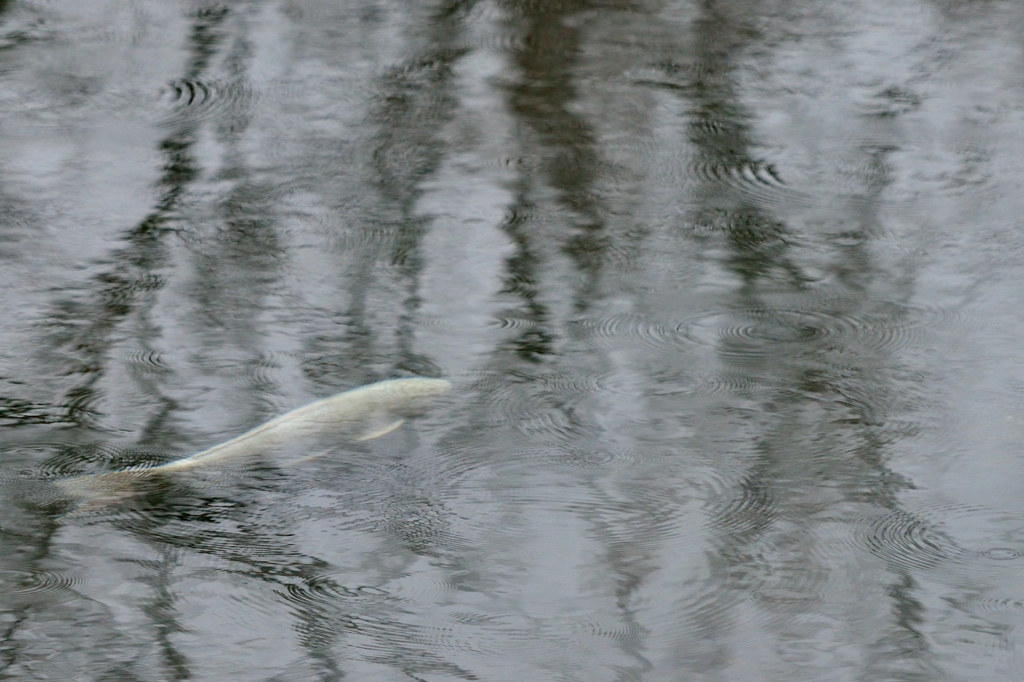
pixel 733 384
pixel 150 361
pixel 603 331
pixel 93 457
pixel 908 542
pixel 737 510
pixel 516 323
pixel 974 540
pixel 546 403
pixel 1009 610
pixel 525 406
pixel 192 99
pixel 424 526
pixel 259 371
pixel 589 458
pixel 757 180
pixel 886 328
pixel 181 101
pixel 580 629
pixel 37 582
pixel 443 323
pixel 496 36
pixel 326 589
pixel 547 425
pixel 787 596
pixel 662 512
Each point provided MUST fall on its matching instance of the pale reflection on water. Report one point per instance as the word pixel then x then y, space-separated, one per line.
pixel 728 292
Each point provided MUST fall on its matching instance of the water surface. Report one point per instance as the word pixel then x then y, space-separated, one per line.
pixel 729 293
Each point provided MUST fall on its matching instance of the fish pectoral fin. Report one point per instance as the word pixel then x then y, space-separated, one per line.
pixel 377 431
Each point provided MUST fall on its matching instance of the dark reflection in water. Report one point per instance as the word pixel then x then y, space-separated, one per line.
pixel 728 293
pixel 814 453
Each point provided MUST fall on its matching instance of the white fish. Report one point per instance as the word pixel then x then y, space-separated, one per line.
pixel 362 413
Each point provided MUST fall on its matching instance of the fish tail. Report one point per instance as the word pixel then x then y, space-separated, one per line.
pixel 99 490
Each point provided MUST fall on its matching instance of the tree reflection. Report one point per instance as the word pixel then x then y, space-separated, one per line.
pixel 817 447
pixel 83 332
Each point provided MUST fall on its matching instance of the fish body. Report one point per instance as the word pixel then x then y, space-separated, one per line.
pixel 352 411
pixel 362 413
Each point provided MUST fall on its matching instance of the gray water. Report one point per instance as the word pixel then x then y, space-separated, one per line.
pixel 729 293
